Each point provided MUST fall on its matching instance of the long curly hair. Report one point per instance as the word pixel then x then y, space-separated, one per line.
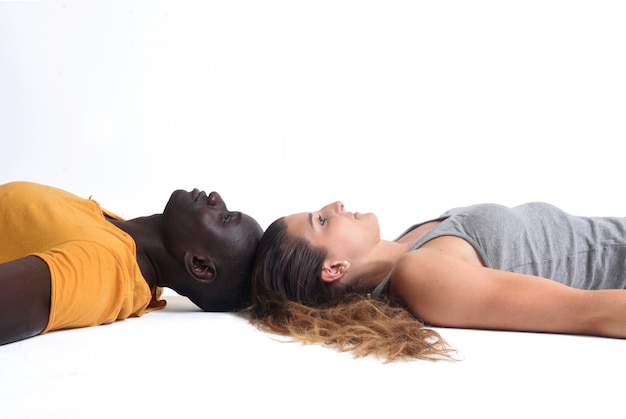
pixel 289 298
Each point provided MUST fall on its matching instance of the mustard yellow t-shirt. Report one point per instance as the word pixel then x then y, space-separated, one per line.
pixel 95 278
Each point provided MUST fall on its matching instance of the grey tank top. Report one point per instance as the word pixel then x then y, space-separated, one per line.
pixel 538 239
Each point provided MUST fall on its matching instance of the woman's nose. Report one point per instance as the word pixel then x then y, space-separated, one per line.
pixel 337 207
pixel 334 208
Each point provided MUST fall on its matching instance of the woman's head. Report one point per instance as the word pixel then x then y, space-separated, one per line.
pixel 308 257
pixel 286 266
pixel 301 288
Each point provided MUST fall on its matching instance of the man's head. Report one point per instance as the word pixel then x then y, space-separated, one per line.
pixel 213 249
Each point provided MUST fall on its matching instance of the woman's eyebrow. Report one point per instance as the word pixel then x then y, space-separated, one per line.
pixel 311 219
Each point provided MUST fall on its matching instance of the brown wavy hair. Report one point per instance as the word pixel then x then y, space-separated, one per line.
pixel 289 298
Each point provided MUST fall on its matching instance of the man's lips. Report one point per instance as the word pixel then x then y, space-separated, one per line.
pixel 197 194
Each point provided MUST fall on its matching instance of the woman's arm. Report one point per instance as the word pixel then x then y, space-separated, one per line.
pixel 24 298
pixel 445 290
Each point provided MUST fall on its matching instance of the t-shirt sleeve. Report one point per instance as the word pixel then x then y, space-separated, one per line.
pixel 92 285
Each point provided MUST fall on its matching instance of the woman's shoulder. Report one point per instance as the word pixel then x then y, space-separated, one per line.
pixel 423 279
pixel 442 256
pixel 414 267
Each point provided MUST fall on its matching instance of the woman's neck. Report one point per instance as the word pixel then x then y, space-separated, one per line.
pixel 374 268
pixel 387 255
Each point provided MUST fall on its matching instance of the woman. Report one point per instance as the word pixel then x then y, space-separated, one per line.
pixel 327 276
pixel 66 263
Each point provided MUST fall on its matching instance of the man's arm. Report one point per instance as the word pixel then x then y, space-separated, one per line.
pixel 24 298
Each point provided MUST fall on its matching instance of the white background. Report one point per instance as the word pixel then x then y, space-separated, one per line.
pixel 401 108
pixel 404 109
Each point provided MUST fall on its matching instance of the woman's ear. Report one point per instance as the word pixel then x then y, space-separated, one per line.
pixel 200 267
pixel 333 271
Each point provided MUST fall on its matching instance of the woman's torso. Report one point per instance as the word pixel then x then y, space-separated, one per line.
pixel 535 238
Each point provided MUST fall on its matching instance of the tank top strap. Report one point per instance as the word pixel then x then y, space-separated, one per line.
pixel 383 287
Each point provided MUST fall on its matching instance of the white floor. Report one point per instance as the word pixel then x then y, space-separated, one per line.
pixel 180 362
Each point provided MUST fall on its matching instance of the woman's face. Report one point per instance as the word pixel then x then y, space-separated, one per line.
pixel 345 235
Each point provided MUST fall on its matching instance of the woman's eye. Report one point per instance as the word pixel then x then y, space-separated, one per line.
pixel 226 218
pixel 321 220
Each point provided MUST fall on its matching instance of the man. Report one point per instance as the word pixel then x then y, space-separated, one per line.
pixel 65 262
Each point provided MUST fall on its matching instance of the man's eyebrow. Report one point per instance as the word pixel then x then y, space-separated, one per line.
pixel 311 219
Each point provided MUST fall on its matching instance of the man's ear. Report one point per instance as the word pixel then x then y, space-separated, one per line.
pixel 200 267
pixel 333 271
